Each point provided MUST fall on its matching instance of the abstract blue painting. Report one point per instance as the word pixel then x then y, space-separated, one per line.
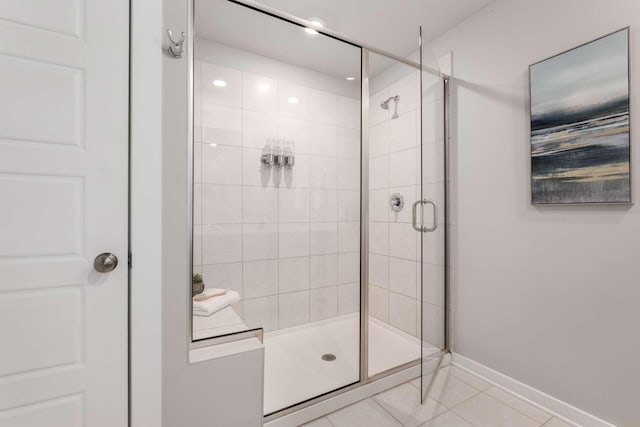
pixel 580 133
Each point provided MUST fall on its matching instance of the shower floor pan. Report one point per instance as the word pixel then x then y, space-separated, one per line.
pixel 309 360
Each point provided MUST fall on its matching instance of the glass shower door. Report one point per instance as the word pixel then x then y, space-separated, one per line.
pixel 395 187
pixel 277 194
pixel 431 224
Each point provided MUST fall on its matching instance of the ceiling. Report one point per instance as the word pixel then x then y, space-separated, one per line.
pixel 237 26
pixel 390 25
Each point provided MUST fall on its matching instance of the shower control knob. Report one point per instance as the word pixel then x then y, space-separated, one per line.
pixel 105 262
pixel 396 202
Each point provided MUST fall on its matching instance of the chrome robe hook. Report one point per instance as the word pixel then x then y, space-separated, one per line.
pixel 175 47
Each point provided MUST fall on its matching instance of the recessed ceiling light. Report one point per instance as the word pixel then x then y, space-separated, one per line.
pixel 350 78
pixel 219 83
pixel 292 100
pixel 316 23
pixel 213 144
pixel 263 88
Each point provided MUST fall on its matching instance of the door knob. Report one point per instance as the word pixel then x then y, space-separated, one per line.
pixel 105 262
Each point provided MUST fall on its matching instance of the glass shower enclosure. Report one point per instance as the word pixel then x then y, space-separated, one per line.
pixel 318 202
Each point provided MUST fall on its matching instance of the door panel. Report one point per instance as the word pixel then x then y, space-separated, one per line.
pixel 433 193
pixel 394 187
pixel 63 183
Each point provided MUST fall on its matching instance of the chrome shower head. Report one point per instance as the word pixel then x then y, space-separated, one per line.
pixel 395 111
pixel 385 105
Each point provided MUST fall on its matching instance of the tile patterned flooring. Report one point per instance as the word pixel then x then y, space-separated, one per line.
pixel 458 399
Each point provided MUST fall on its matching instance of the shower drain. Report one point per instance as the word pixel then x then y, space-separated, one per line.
pixel 328 357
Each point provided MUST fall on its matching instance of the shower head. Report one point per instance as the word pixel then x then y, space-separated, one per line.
pixel 385 105
pixel 395 111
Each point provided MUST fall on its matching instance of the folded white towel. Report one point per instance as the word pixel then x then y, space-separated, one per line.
pixel 210 306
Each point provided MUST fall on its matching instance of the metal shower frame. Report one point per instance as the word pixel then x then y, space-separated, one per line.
pixel 364 219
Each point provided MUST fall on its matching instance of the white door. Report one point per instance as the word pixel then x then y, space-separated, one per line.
pixel 63 200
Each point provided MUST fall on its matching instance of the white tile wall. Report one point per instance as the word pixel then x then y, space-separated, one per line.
pixel 348 267
pixel 379 303
pixel 348 112
pixel 220 164
pixel 294 129
pixel 348 205
pixel 221 243
pixel 287 240
pixel 214 212
pixel 323 205
pixel 293 240
pixel 379 139
pixel 323 140
pixel 379 270
pixel 323 238
pixel 287 93
pixel 257 127
pixel 349 237
pixel 224 276
pixel 294 274
pixel 221 125
pixel 261 312
pixel 293 309
pixel 394 252
pixel 259 93
pixel 323 172
pixel 402 277
pixel 324 270
pixel 403 312
pixel 260 241
pixel 348 298
pixel 324 303
pixel 260 278
pixel 260 204
pixel 231 95
pixel 348 143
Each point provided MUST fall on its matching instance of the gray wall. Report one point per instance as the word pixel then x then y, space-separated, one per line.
pixel 547 295
pixel 145 222
pixel 226 391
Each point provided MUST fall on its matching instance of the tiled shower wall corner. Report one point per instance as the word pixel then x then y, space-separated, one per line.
pixel 394 251
pixel 287 240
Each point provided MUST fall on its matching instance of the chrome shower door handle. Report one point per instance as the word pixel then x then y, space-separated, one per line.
pixel 435 216
pixel 414 215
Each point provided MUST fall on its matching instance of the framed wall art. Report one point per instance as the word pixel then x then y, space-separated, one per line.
pixel 580 127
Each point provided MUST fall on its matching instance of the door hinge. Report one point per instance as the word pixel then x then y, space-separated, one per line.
pixel 130 261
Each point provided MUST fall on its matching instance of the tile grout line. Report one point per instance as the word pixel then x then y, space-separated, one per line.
pixel 450 409
pixel 271 173
pixel 326 417
pixel 514 409
pixel 506 391
pixel 308 130
pixel 373 399
pixel 479 392
pixel 388 222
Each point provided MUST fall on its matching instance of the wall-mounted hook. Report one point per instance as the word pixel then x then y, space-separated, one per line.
pixel 175 47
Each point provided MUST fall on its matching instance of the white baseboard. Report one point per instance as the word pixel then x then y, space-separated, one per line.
pixel 558 408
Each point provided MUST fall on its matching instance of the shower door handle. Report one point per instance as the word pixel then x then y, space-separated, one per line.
pixel 414 216
pixel 414 222
pixel 435 216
